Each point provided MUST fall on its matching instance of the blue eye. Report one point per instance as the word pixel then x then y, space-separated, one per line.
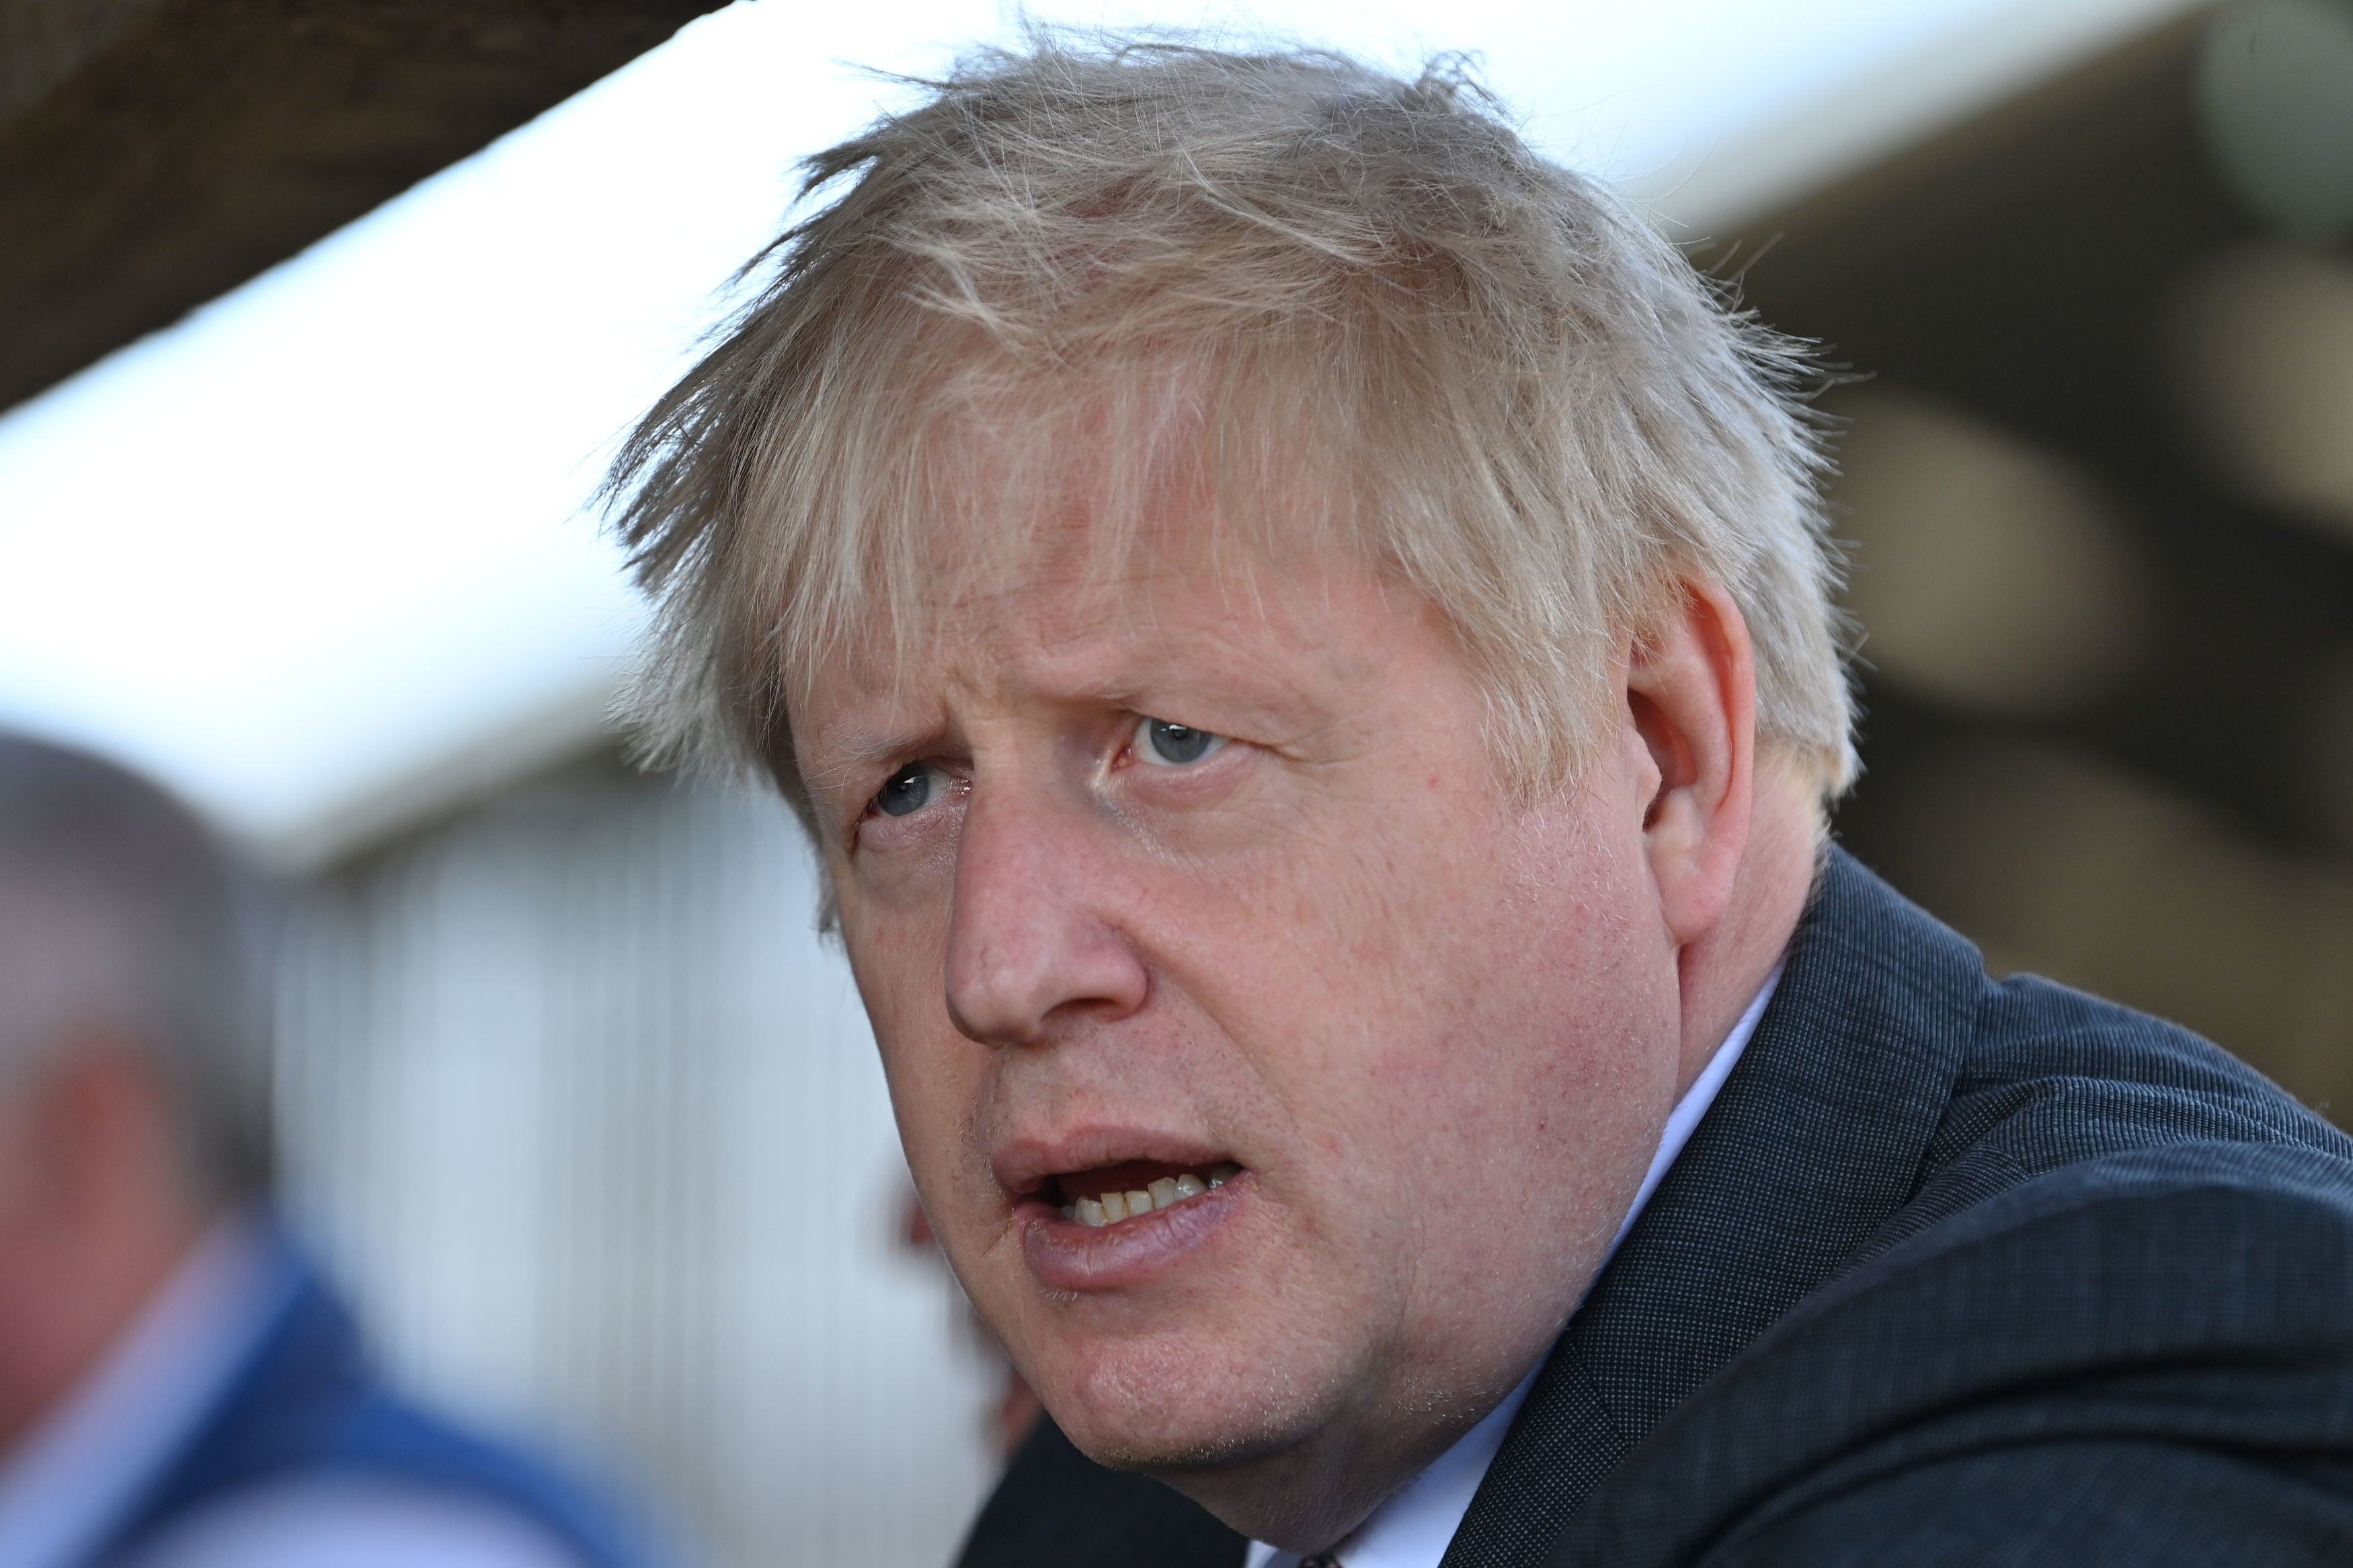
pixel 1171 745
pixel 908 790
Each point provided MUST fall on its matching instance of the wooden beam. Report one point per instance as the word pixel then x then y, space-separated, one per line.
pixel 154 153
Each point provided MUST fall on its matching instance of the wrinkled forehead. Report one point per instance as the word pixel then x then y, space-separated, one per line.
pixel 1078 601
pixel 1139 501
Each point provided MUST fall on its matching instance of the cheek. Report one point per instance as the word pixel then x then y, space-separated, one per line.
pixel 932 1071
pixel 1423 938
pixel 1568 1047
pixel 935 1081
pixel 1508 1026
pixel 1487 1041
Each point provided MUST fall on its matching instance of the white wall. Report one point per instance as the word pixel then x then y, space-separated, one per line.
pixel 591 1121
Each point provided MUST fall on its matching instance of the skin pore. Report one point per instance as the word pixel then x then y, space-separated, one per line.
pixel 1210 869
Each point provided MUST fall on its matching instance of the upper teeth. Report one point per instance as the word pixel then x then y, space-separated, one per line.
pixel 1112 1208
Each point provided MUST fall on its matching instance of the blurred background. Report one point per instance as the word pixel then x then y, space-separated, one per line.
pixel 317 317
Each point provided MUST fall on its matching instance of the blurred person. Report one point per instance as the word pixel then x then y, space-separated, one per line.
pixel 1302 635
pixel 179 1388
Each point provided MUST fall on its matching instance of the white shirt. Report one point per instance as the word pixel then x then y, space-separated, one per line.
pixel 1413 1528
pixel 73 1480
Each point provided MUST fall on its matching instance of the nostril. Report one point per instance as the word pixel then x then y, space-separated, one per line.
pixel 1018 982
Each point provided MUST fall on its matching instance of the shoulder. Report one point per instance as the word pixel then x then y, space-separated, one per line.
pixel 310 1434
pixel 323 1522
pixel 2105 1313
pixel 2054 1085
pixel 2044 1056
pixel 421 1476
pixel 2080 1367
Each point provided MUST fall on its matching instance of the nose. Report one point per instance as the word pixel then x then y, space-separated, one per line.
pixel 1030 946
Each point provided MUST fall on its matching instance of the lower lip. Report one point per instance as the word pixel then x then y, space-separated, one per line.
pixel 1065 1254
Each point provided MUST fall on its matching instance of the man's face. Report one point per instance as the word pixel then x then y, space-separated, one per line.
pixel 1209 873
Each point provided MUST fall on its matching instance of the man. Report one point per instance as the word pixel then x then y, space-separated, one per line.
pixel 1302 634
pixel 178 1388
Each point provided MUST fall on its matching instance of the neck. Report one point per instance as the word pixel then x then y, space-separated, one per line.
pixel 1721 973
pixel 1312 1495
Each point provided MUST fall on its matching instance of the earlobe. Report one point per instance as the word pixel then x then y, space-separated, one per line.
pixel 1690 696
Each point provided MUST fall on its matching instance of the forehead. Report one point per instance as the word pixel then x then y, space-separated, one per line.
pixel 1012 476
pixel 1073 609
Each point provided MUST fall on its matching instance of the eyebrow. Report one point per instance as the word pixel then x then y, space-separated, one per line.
pixel 850 747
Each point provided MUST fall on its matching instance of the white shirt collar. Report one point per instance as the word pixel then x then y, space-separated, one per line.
pixel 1412 1529
pixel 69 1482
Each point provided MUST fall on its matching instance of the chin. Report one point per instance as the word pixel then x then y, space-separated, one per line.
pixel 1178 1407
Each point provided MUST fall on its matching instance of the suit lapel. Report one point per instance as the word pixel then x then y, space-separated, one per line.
pixel 1816 1138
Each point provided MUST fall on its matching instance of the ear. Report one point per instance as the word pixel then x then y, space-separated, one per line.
pixel 1691 689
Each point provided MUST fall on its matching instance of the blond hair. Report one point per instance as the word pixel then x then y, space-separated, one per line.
pixel 1355 308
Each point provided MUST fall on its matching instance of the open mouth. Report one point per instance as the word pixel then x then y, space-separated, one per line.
pixel 1131 1189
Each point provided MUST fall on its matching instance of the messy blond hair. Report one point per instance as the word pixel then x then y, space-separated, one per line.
pixel 1354 307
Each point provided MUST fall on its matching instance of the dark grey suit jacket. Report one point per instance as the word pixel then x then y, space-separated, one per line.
pixel 1953 1272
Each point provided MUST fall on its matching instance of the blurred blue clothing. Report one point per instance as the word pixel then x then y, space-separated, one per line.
pixel 240 1422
